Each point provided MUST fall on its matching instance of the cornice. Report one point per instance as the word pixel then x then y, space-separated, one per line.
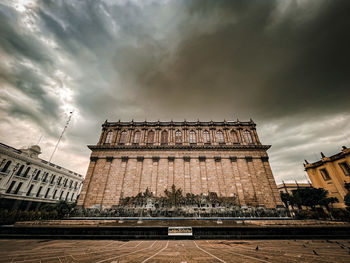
pixel 341 155
pixel 157 124
pixel 178 147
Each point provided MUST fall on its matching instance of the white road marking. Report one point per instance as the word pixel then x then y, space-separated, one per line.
pixel 126 254
pixel 209 253
pixel 258 259
pixel 157 252
pixel 97 252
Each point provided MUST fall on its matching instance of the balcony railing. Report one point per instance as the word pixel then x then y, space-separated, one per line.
pixel 5 173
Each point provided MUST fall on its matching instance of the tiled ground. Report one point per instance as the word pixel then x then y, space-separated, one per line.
pixel 174 251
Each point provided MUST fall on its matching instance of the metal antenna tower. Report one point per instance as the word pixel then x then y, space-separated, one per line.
pixel 59 139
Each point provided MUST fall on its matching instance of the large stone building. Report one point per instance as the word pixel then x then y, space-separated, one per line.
pixel 198 157
pixel 331 173
pixel 26 181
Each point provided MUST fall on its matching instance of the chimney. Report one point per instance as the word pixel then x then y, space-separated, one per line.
pixel 322 155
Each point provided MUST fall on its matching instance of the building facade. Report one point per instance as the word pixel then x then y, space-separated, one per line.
pixel 288 188
pixel 198 157
pixel 26 181
pixel 331 173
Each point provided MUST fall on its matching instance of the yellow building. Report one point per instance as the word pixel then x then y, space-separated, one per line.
pixel 331 173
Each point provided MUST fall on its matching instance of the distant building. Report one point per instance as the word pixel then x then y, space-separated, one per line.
pixel 289 187
pixel 331 173
pixel 224 157
pixel 26 181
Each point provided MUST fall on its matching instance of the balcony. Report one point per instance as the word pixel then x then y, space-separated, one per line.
pixel 5 173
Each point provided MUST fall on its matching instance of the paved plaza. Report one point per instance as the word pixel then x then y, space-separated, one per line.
pixel 174 251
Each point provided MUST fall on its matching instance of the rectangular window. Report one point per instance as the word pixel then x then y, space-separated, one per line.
pixel 345 167
pixel 54 194
pixel 38 193
pixel 67 196
pixel 61 195
pixel 47 192
pixel 52 179
pixel 18 188
pixel 325 174
pixel 30 190
pixel 72 197
pixel 11 186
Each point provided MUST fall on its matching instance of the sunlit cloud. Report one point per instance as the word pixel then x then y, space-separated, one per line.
pixel 282 63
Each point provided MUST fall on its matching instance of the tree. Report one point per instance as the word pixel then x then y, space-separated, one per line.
pixel 311 197
pixel 286 198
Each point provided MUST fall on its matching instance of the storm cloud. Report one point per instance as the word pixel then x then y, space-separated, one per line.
pixel 283 63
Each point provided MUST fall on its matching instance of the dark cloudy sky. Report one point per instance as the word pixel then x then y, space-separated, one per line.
pixel 283 63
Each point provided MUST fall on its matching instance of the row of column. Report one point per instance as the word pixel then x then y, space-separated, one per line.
pixel 184 133
pixel 109 180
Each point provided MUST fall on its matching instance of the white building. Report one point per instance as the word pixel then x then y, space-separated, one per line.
pixel 26 181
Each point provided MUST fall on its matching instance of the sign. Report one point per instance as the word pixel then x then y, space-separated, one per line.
pixel 179 231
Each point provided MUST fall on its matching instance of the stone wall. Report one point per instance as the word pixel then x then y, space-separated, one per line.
pixel 243 173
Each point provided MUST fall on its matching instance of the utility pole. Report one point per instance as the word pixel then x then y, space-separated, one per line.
pixel 59 139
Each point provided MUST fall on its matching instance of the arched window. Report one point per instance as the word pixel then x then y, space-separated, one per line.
pixel 164 138
pixel 220 137
pixel 52 180
pixel 122 139
pixel 109 137
pixel 45 177
pixel 178 136
pixel 26 172
pixel 20 170
pixel 4 170
pixel 37 175
pixel 234 136
pixel 247 137
pixel 192 137
pixel 206 137
pixel 150 137
pixel 137 137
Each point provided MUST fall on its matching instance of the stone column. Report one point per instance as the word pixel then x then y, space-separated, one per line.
pixel 102 137
pixel 272 182
pixel 200 136
pixel 131 136
pixel 154 176
pixel 227 136
pixel 187 188
pixel 170 180
pixel 203 175
pixel 162 176
pixel 195 177
pixel 137 181
pixel 220 179
pixel 83 197
pixel 255 134
pixel 104 180
pixel 240 136
pixel 120 183
pixel 116 137
pixel 114 181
